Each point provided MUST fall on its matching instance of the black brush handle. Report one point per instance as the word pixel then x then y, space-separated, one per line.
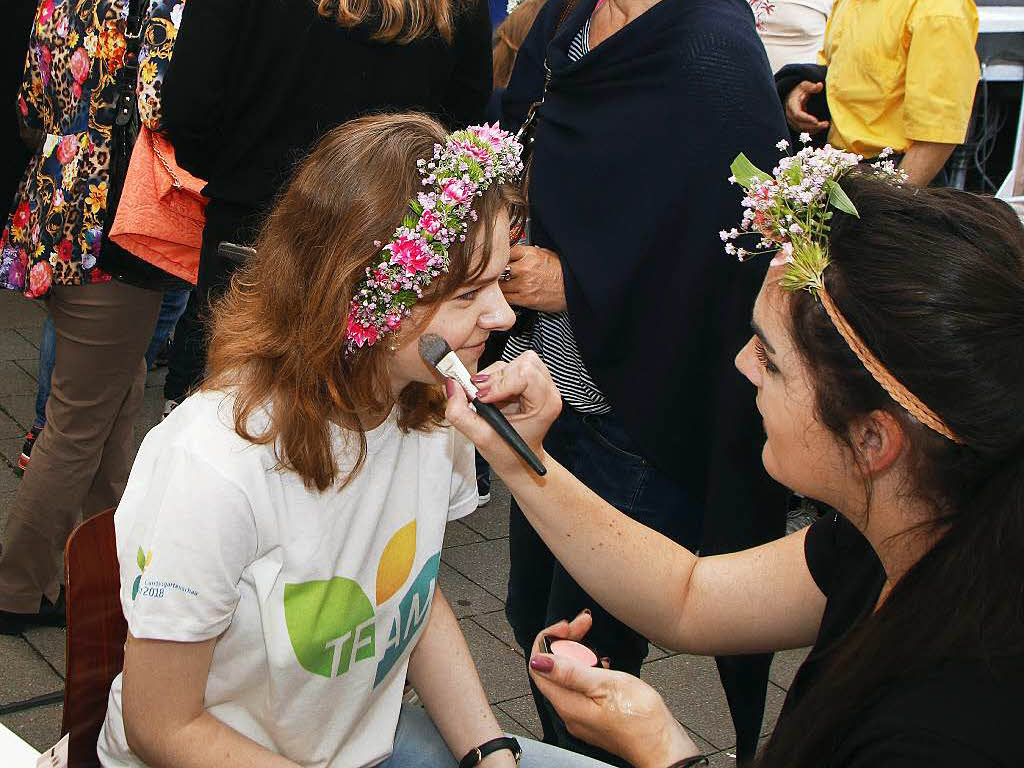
pixel 508 433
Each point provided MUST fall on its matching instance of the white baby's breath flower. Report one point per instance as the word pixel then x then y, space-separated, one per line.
pixel 805 138
pixel 782 145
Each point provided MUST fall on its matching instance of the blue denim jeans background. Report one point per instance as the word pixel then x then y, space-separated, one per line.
pixel 419 745
pixel 599 451
pixel 170 310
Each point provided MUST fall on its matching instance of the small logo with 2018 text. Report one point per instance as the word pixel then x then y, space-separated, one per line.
pixel 143 559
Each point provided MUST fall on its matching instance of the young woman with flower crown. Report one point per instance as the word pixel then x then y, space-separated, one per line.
pixel 280 534
pixel 887 357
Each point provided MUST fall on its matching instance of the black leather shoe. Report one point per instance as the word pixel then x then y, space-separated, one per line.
pixel 48 615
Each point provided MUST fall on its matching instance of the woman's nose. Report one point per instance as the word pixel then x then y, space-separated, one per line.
pixel 746 363
pixel 499 315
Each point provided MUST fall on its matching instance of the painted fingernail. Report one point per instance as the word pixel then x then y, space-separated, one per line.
pixel 606 662
pixel 542 663
pixel 479 378
pixel 483 391
pixel 586 611
pixel 449 387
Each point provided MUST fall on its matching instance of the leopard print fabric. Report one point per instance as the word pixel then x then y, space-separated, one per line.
pixel 55 229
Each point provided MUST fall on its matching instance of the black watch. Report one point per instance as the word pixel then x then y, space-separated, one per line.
pixel 477 754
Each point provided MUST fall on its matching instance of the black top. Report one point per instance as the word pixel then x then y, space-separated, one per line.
pixel 629 186
pixel 960 714
pixel 253 84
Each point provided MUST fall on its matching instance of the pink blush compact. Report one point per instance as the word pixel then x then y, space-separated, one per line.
pixel 570 649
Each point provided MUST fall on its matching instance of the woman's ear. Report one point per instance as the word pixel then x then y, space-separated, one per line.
pixel 879 440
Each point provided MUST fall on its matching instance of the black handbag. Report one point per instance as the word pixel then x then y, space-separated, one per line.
pixel 113 259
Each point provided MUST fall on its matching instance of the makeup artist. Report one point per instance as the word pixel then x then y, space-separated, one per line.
pixel 912 593
pixel 647 102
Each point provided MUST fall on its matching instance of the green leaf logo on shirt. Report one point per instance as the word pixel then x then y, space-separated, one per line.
pixel 142 559
pixel 330 624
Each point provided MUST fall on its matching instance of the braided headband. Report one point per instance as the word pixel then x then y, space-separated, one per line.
pixel 460 171
pixel 790 211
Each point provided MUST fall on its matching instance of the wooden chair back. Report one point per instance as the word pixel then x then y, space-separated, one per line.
pixel 96 633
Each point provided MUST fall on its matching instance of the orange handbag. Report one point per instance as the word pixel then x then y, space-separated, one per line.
pixel 162 211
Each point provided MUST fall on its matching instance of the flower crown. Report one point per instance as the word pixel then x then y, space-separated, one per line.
pixel 461 170
pixel 791 211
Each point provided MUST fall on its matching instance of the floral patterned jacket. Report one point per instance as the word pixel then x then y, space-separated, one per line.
pixel 55 229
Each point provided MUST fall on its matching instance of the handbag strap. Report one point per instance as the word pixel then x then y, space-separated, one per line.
pixel 129 71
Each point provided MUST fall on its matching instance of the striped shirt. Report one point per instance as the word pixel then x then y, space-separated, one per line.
pixel 552 336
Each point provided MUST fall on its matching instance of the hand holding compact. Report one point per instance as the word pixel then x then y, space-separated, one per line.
pixel 612 710
pixel 535 279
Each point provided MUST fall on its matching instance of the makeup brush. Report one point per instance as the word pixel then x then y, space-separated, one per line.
pixel 436 352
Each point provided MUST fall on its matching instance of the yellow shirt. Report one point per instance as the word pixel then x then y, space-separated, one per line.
pixel 900 71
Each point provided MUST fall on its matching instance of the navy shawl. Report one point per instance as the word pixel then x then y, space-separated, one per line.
pixel 628 185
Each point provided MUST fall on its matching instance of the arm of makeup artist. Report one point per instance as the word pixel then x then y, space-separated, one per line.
pixel 173 729
pixel 762 599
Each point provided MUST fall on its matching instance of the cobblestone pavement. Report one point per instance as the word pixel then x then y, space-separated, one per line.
pixel 474 575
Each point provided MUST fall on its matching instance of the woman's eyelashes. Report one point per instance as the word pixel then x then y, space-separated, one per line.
pixel 468 295
pixel 762 357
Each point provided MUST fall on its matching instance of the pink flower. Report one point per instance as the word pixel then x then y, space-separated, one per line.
pixel 410 253
pixel 45 62
pixel 80 66
pixel 67 150
pixel 39 278
pixel 64 250
pixel 45 12
pixel 16 275
pixel 429 222
pixel 458 191
pixel 492 134
pixel 479 154
pixel 359 333
pixel 22 106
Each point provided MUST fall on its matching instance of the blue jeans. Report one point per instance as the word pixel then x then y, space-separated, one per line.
pixel 419 745
pixel 170 310
pixel 599 451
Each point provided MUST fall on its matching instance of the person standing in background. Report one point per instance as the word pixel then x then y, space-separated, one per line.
pixel 793 31
pixel 253 85
pixel 75 71
pixel 900 74
pixel 643 106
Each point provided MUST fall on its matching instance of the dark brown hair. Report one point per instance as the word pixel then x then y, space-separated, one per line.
pixel 933 281
pixel 278 335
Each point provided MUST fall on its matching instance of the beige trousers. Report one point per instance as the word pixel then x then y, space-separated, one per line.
pixel 80 461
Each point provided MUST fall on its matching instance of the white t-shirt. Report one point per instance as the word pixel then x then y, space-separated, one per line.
pixel 317 598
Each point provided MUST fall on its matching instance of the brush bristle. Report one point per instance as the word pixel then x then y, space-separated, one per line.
pixel 433 348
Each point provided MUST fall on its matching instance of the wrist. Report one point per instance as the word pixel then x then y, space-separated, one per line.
pixel 675 745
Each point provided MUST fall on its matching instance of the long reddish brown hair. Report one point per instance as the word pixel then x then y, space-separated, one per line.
pixel 278 335
pixel 401 21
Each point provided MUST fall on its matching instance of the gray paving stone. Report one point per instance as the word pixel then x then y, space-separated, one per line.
pixel 39 726
pixel 509 725
pixel 30 367
pixel 14 381
pixel 456 534
pixel 524 712
pixel 465 597
pixel 18 312
pixel 693 692
pixel 502 672
pixel 485 564
pixel 784 666
pixel 8 479
pixel 22 408
pixel 14 346
pixel 156 378
pixel 49 642
pixel 6 500
pixel 491 521
pixel 498 625
pixel 25 673
pixel 10 429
